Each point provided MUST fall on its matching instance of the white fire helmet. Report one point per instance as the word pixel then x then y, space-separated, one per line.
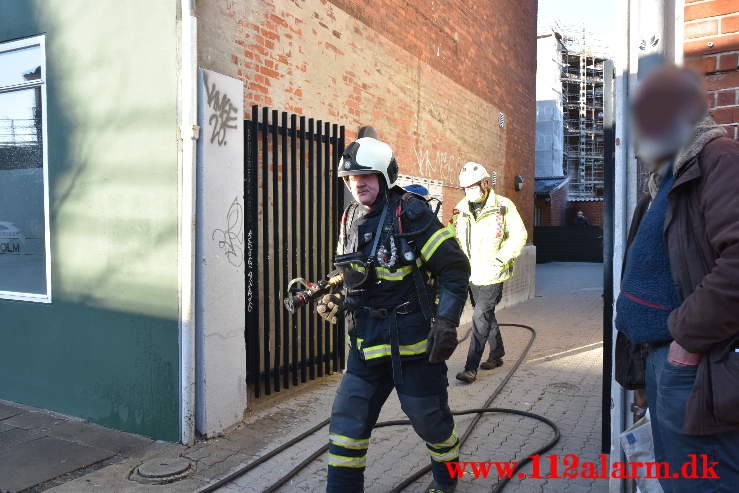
pixel 367 155
pixel 471 174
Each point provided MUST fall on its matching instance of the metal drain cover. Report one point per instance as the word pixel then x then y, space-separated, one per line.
pixel 563 388
pixel 162 470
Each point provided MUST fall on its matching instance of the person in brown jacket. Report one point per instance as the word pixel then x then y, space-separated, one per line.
pixel 680 288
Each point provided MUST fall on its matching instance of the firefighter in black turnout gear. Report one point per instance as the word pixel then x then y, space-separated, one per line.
pixel 405 285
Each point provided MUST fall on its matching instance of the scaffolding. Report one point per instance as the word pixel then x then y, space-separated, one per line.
pixel 582 107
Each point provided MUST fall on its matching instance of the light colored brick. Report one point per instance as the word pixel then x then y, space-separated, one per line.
pixel 702 28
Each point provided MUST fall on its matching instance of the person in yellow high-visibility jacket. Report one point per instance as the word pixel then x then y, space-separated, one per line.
pixel 492 235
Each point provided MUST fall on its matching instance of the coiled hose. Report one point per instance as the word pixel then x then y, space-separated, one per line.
pixel 404 422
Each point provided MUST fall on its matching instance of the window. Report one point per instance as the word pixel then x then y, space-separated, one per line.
pixel 24 219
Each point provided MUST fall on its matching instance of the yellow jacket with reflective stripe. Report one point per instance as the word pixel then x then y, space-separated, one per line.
pixel 492 241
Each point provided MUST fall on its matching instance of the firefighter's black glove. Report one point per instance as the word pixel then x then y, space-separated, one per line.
pixel 330 306
pixel 442 340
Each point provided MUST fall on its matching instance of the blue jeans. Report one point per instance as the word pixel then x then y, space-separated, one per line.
pixel 668 388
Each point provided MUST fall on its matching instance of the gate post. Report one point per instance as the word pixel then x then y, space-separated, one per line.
pixel 220 262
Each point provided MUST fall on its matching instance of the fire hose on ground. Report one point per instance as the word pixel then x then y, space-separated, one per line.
pixel 478 412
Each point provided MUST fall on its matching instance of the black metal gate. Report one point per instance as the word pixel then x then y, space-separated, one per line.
pixel 293 206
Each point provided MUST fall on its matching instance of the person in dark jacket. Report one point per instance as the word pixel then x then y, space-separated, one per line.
pixel 405 285
pixel 581 219
pixel 680 288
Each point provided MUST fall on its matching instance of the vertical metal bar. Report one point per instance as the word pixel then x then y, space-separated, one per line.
pixel 327 231
pixel 609 164
pixel 320 219
pixel 286 323
pixel 252 237
pixel 339 210
pixel 309 211
pixel 304 257
pixel 294 239
pixel 334 218
pixel 275 217
pixel 265 247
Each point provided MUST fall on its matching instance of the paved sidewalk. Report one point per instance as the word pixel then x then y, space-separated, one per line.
pixel 40 449
pixel 560 380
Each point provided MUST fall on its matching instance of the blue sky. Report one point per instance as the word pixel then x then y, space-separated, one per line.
pixel 598 16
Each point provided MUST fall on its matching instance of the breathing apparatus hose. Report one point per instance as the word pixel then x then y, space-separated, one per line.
pixel 478 412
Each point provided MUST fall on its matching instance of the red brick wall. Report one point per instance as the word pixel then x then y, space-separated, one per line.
pixel 712 47
pixel 431 77
pixel 553 212
pixel 593 210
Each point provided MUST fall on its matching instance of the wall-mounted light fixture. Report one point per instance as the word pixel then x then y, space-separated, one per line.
pixel 518 183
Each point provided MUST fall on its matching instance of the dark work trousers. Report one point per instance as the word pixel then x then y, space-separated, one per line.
pixel 484 325
pixel 359 399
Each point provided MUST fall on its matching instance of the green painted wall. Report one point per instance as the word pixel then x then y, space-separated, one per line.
pixel 106 349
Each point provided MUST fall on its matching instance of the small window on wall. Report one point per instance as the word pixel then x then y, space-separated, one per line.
pixel 24 218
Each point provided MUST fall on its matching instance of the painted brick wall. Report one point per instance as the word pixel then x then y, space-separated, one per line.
pixel 712 47
pixel 431 77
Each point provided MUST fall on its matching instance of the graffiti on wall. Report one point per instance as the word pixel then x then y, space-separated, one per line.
pixel 231 238
pixel 438 165
pixel 250 291
pixel 224 112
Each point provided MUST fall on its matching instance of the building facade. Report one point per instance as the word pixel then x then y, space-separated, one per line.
pixel 711 44
pixel 425 78
pixel 113 256
pixel 569 132
pixel 89 290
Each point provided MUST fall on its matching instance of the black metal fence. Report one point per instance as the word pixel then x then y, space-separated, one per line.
pixel 293 206
pixel 568 244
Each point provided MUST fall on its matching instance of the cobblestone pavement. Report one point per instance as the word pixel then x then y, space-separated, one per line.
pixel 561 379
pixel 565 387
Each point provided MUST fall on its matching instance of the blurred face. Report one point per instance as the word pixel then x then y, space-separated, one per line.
pixel 364 188
pixel 665 110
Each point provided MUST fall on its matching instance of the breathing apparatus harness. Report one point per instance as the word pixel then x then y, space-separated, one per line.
pixel 359 271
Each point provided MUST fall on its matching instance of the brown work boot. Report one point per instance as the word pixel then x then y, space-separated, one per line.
pixel 491 364
pixel 467 376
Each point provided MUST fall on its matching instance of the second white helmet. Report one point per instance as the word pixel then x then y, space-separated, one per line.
pixel 472 173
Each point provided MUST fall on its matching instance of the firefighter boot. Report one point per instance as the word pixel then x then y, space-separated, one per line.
pixel 435 487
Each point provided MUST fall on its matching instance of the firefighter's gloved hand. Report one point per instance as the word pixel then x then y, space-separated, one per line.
pixel 442 340
pixel 330 306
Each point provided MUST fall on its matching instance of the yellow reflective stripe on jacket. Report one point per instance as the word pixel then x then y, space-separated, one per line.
pixel 453 438
pixel 350 443
pixel 445 456
pixel 382 350
pixel 413 349
pixel 434 242
pixel 398 275
pixel 344 461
